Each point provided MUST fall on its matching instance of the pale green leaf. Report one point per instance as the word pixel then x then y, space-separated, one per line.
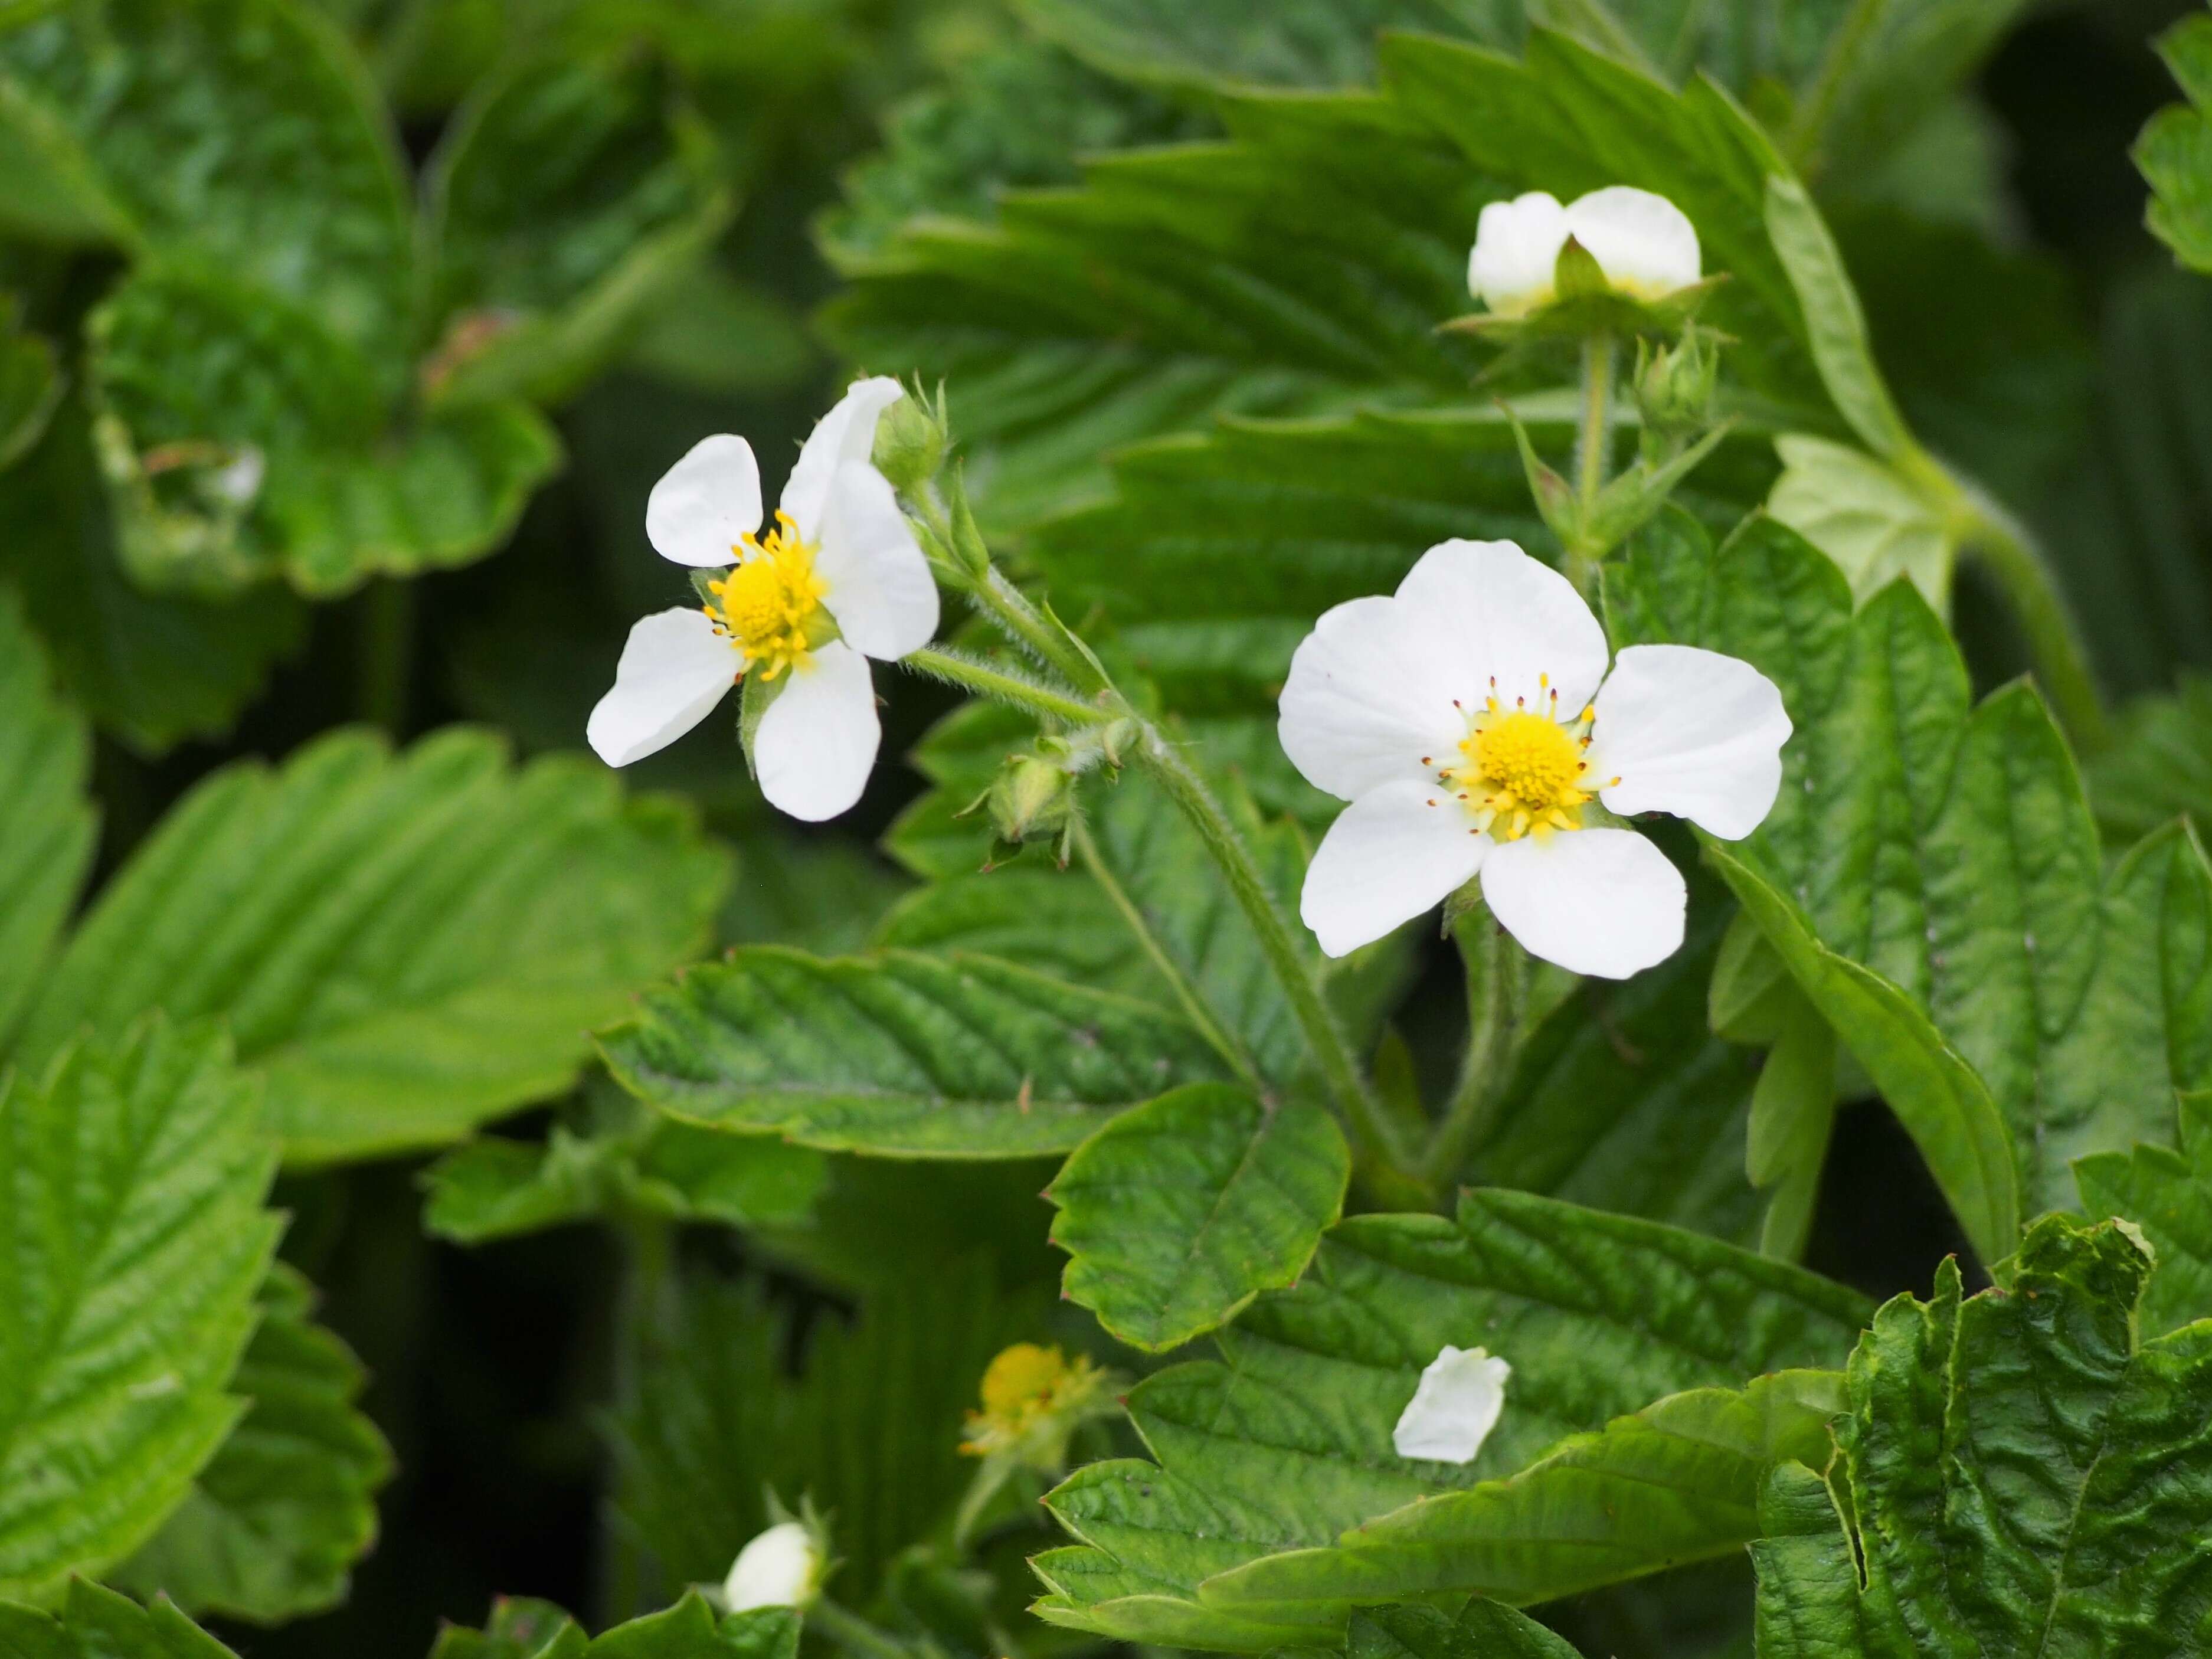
pixel 2168 1195
pixel 135 1238
pixel 2017 1471
pixel 1285 1443
pixel 1865 516
pixel 1930 869
pixel 150 668
pixel 901 1054
pixel 93 1623
pixel 1178 1214
pixel 275 1523
pixel 2175 151
pixel 1835 324
pixel 46 817
pixel 404 946
pixel 567 196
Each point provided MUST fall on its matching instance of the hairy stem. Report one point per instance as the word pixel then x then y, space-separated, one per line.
pixel 1593 449
pixel 1188 994
pixel 1355 1097
pixel 1003 685
pixel 1497 996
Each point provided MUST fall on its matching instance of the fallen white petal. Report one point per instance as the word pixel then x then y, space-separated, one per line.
pixel 817 741
pixel 1391 854
pixel 846 433
pixel 878 585
pixel 1602 902
pixel 1690 733
pixel 674 669
pixel 706 504
pixel 1455 1408
pixel 1517 249
pixel 1644 243
pixel 776 1569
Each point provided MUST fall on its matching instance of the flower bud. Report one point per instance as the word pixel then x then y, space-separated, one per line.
pixel 780 1568
pixel 1032 798
pixel 911 440
pixel 1034 1399
pixel 1674 385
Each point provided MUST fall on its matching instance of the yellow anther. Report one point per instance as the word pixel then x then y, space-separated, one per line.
pixel 1521 770
pixel 770 602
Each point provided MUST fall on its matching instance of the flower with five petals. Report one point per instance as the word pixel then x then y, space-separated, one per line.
pixel 1470 720
pixel 839 580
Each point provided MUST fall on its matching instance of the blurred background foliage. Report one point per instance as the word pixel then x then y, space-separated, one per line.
pixel 343 342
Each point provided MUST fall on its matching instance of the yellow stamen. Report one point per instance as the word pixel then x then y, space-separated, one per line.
pixel 771 603
pixel 1520 769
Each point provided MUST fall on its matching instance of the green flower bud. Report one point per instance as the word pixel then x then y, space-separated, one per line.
pixel 1674 385
pixel 911 440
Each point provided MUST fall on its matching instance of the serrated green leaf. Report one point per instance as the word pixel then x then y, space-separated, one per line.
pixel 2167 1194
pixel 242 439
pixel 1865 516
pixel 521 1627
pixel 2159 767
pixel 869 1427
pixel 46 817
pixel 136 1238
pixel 404 946
pixel 152 669
pixel 900 1054
pixel 1930 870
pixel 296 190
pixel 2019 1473
pixel 1286 1443
pixel 1678 1481
pixel 1178 1214
pixel 1484 1630
pixel 272 1528
pixel 93 1623
pixel 2174 152
pixel 568 195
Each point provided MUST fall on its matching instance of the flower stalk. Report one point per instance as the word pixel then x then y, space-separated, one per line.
pixel 1591 453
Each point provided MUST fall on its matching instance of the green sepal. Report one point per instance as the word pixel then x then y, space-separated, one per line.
pixel 1578 312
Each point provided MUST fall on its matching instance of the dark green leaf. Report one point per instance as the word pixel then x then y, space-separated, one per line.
pixel 1178 1214
pixel 2162 766
pixel 275 1523
pixel 30 386
pixel 2175 149
pixel 1484 1630
pixel 2018 1474
pixel 92 1623
pixel 135 1239
pixel 900 1054
pixel 47 819
pixel 404 946
pixel 521 1628
pixel 2168 1195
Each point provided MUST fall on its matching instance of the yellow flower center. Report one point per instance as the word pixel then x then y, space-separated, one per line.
pixel 1025 1388
pixel 771 603
pixel 1521 770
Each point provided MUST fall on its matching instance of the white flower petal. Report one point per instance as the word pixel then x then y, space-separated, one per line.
pixel 1644 244
pixel 1390 855
pixel 878 585
pixel 1453 1411
pixel 817 740
pixel 705 503
pixel 1690 733
pixel 1365 700
pixel 846 433
pixel 1516 248
pixel 777 1569
pixel 1602 902
pixel 674 669
pixel 1502 613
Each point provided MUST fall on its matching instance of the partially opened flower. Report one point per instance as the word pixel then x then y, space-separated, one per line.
pixel 1645 245
pixel 1464 719
pixel 781 1567
pixel 1458 1402
pixel 839 579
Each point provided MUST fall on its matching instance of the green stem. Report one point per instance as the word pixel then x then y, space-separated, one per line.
pixel 1592 451
pixel 1013 610
pixel 2062 661
pixel 386 642
pixel 1005 685
pixel 1496 995
pixel 851 1630
pixel 1193 1000
pixel 1371 1123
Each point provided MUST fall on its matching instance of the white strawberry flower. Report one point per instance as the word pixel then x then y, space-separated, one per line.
pixel 1645 245
pixel 781 1567
pixel 1465 720
pixel 839 579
